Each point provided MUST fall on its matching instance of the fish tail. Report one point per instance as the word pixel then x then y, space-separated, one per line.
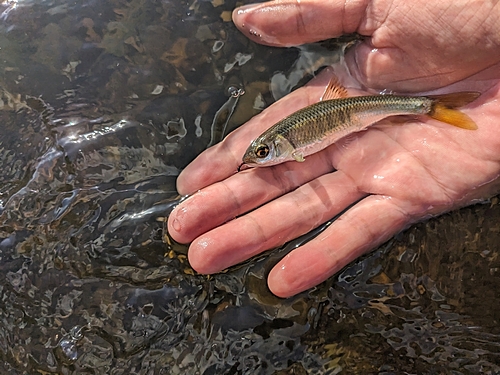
pixel 443 108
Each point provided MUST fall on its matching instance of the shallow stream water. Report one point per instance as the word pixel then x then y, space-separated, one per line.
pixel 102 104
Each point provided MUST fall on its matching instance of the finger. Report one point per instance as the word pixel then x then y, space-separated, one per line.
pixel 299 212
pixel 292 22
pixel 222 160
pixel 369 223
pixel 240 193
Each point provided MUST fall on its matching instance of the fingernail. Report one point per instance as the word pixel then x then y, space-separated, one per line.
pixel 277 281
pixel 176 225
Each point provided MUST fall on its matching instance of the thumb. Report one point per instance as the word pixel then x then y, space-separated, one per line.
pixel 293 22
pixel 407 47
pixel 285 23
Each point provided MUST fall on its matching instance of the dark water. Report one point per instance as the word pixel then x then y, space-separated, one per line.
pixel 102 104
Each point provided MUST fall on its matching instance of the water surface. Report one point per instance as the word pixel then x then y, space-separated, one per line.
pixel 102 104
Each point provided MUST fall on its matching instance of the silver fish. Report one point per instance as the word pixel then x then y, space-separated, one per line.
pixel 317 126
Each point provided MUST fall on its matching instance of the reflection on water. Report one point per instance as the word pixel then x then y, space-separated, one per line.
pixel 102 103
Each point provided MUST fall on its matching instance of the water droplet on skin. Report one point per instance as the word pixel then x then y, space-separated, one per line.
pixel 255 33
pixel 203 244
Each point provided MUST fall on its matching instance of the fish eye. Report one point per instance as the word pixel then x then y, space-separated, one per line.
pixel 262 151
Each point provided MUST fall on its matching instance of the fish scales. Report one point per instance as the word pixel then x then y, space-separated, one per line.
pixel 335 117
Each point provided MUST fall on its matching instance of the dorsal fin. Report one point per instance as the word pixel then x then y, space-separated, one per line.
pixel 334 90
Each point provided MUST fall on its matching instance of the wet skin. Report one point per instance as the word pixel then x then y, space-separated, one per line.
pixel 397 174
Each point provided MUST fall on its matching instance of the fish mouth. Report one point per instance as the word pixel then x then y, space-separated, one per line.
pixel 245 166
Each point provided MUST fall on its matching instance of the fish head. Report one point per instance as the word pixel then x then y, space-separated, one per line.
pixel 268 150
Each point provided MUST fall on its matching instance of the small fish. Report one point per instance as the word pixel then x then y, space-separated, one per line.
pixel 317 126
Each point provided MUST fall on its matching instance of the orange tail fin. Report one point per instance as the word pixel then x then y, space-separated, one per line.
pixel 444 108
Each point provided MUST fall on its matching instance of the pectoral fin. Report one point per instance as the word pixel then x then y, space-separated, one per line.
pixel 298 157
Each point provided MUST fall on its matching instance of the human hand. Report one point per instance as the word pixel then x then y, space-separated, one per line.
pixel 411 46
pixel 396 174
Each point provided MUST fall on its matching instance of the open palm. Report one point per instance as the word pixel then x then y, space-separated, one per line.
pixel 389 176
